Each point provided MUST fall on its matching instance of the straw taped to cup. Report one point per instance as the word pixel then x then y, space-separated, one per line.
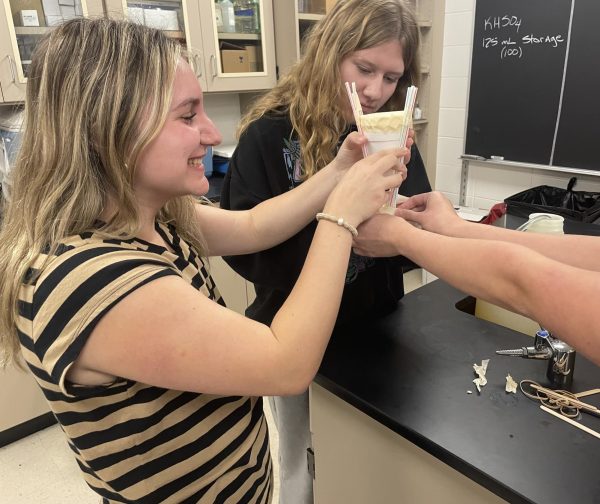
pixel 386 130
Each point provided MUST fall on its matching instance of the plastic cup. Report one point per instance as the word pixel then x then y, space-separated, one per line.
pixel 547 223
pixel 385 130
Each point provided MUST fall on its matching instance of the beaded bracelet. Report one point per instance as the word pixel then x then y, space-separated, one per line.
pixel 339 221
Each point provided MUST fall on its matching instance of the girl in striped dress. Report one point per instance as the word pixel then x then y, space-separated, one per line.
pixel 106 293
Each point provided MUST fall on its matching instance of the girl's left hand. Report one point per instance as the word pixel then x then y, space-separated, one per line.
pixel 351 150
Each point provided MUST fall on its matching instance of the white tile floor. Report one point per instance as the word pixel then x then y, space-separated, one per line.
pixel 41 469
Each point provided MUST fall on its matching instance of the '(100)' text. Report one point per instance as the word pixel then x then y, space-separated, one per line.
pixel 513 48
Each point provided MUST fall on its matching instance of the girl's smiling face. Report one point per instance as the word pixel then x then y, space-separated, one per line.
pixel 171 165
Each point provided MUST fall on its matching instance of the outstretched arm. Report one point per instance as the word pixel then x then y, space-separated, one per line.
pixel 277 219
pixel 434 212
pixel 559 296
pixel 166 334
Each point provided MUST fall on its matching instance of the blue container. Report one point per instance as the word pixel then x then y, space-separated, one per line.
pixel 207 161
pixel 220 164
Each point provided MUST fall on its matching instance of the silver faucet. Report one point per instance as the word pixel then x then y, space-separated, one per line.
pixel 560 357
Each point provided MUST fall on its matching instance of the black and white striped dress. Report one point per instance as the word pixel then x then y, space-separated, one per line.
pixel 135 442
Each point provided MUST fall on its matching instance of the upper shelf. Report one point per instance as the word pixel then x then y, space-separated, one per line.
pixel 305 16
pixel 238 36
pixel 32 30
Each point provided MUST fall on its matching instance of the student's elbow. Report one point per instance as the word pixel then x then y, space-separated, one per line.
pixel 295 382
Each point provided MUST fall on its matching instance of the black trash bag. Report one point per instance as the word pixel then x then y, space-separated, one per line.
pixel 582 206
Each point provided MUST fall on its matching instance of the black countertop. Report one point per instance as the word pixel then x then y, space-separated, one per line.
pixel 411 371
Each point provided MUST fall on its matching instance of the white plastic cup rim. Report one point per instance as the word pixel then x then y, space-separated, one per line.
pixel 544 215
pixel 541 222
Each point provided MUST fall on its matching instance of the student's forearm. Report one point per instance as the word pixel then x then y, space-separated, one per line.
pixel 558 296
pixel 305 321
pixel 269 223
pixel 576 250
pixel 277 219
pixel 501 273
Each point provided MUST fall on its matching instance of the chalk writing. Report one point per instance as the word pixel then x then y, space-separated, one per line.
pixel 554 40
pixel 497 22
pixel 513 48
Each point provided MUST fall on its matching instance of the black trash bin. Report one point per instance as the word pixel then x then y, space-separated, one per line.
pixel 582 206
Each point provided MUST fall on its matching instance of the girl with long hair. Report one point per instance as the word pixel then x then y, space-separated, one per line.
pixel 286 138
pixel 106 294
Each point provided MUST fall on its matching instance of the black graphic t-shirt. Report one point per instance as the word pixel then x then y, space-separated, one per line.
pixel 267 163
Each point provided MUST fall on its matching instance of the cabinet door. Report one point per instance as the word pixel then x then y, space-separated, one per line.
pixel 293 19
pixel 178 19
pixel 22 24
pixel 239 53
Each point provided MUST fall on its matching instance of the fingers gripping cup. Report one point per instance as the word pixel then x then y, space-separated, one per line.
pixel 386 130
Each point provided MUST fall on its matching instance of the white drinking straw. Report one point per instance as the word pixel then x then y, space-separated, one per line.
pixel 409 105
pixel 356 110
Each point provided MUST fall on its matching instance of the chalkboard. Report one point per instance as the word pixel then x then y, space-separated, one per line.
pixel 534 94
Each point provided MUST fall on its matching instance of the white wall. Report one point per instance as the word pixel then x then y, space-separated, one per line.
pixel 224 110
pixel 487 184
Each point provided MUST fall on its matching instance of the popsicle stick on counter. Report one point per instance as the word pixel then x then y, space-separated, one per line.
pixel 572 422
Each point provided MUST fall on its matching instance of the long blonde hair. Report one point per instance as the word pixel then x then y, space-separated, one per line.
pixel 312 91
pixel 98 92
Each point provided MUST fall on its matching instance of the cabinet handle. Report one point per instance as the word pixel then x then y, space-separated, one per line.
pixel 13 69
pixel 213 65
pixel 198 65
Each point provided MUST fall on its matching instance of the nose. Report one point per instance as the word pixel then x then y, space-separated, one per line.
pixel 209 134
pixel 373 90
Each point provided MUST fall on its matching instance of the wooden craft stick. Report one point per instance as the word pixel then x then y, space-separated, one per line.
pixel 572 422
pixel 567 401
pixel 587 392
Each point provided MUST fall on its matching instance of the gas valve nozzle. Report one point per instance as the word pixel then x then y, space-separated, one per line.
pixel 543 353
pixel 561 357
pixel 517 352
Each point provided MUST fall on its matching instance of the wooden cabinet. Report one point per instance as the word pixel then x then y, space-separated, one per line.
pixel 430 15
pixel 259 47
pixel 22 24
pixel 358 460
pixel 292 20
pixel 294 17
pixel 223 61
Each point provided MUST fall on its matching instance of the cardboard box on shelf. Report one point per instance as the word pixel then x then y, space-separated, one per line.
pixel 234 59
pixel 253 58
